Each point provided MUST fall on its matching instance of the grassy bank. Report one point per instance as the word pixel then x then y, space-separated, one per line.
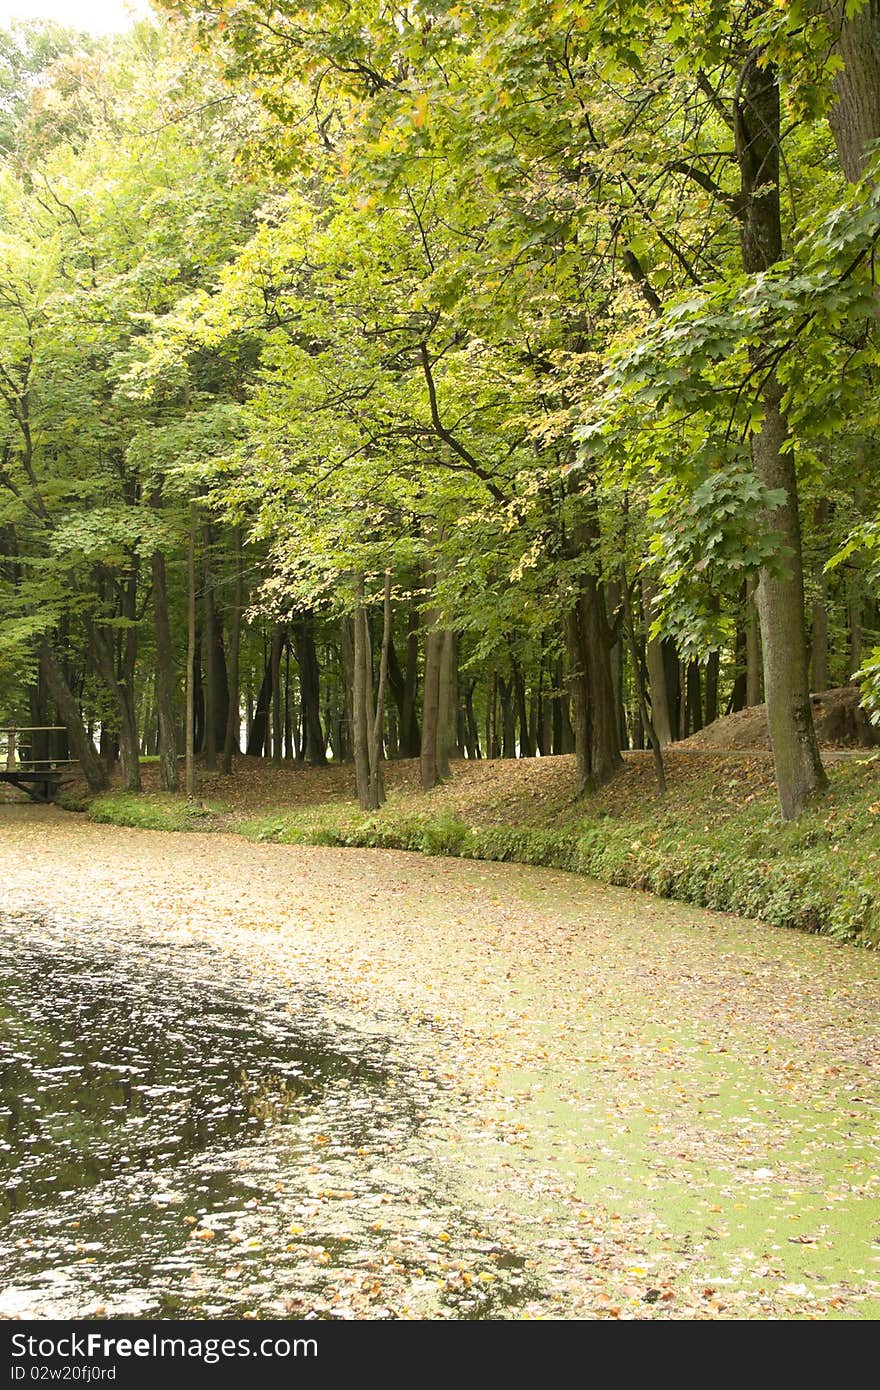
pixel 716 840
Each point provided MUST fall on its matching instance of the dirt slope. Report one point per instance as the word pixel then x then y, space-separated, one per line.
pixel 839 724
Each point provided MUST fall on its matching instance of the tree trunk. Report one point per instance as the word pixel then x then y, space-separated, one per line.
pixel 526 747
pixel 198 693
pixel 589 643
pixel 191 655
pixel 694 711
pixel 396 683
pixel 855 116
pixel 81 745
pixel 277 707
pixel 377 784
pixel 854 611
pixel 563 734
pixel 169 776
pixel 780 597
pixel 508 718
pixel 636 659
pixel 819 678
pixel 661 704
pixel 123 698
pixel 473 733
pixel 346 715
pixel 210 643
pixel 410 734
pixel 39 715
pixel 259 724
pixel 289 752
pixel 393 740
pixel 360 731
pixel 315 744
pixel 738 690
pixel 753 647
pixel 146 716
pixel 492 718
pixel 819 627
pixel 616 662
pixel 429 771
pixel 713 666
pixel 445 703
pixel 232 735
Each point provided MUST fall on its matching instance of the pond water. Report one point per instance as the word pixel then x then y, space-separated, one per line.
pixel 174 1143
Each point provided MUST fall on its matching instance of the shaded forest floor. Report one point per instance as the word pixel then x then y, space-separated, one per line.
pixel 716 839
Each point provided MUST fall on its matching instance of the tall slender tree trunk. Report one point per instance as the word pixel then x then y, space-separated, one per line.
pixel 526 747
pixel 410 734
pixel 189 750
pixel 694 710
pixel 360 729
pixel 854 612
pixel 169 776
pixel 429 770
pixel 147 716
pixel 39 715
pixel 446 703
pixel 473 733
pixel 780 596
pixel 753 647
pixel 314 741
pixel 346 715
pixel 508 717
pixel 277 707
pixel 661 704
pixel 259 723
pixel 232 736
pixel 210 642
pixel 198 692
pixel 738 690
pixel 589 642
pixel 616 662
pixel 288 706
pixel 713 665
pixel 819 679
pixel 377 783
pixel 638 669
pixel 492 719
pixel 535 713
pixel 81 745
pixel 396 682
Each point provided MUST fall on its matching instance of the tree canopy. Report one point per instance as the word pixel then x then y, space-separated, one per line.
pixel 509 369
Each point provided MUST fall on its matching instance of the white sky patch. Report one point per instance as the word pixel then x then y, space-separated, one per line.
pixel 91 16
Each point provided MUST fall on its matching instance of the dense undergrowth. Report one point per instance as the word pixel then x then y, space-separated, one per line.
pixel 716 842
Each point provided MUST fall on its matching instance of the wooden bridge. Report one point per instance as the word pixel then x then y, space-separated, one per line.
pixel 38 778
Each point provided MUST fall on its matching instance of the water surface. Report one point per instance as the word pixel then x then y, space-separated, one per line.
pixel 175 1143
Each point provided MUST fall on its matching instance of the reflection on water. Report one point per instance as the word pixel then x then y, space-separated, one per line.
pixel 172 1143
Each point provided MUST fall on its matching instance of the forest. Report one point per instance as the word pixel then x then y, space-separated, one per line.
pixel 438 380
pixel 438 458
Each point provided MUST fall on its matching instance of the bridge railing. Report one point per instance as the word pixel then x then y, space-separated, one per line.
pixel 15 737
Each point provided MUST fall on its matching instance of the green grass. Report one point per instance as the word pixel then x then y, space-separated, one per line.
pixel 716 844
pixel 149 811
